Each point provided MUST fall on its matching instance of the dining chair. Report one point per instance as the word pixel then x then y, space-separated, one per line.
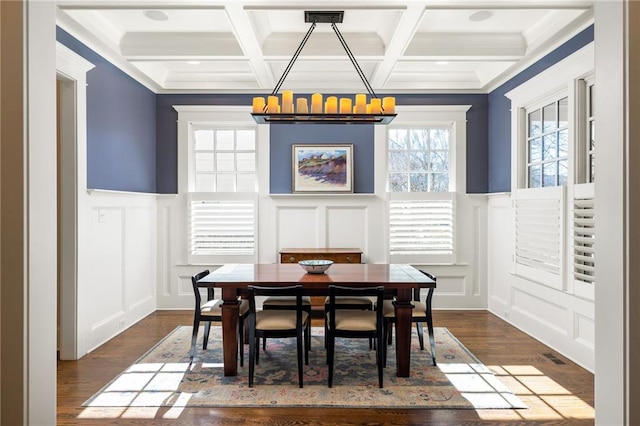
pixel 278 323
pixel 348 302
pixel 421 313
pixel 355 323
pixel 285 303
pixel 211 311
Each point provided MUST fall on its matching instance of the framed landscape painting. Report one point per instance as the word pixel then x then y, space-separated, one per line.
pixel 322 168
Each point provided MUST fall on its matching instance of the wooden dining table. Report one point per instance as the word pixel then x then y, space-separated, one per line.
pixel 397 279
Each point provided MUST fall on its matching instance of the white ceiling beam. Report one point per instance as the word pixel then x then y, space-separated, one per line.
pixel 245 34
pixel 407 26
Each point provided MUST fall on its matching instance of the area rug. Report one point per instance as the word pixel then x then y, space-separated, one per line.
pixel 164 377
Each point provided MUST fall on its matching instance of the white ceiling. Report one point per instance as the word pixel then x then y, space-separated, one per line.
pixel 244 46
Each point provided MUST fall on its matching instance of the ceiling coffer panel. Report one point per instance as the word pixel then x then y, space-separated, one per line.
pixel 487 45
pixel 184 44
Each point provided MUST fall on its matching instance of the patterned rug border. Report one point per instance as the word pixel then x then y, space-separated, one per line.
pixel 420 396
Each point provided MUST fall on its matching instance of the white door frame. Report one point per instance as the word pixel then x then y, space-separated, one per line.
pixel 71 71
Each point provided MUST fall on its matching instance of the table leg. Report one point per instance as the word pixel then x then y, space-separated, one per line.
pixel 403 331
pixel 432 339
pixel 230 312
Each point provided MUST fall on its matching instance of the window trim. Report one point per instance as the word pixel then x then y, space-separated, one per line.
pixel 211 115
pixel 587 118
pixel 453 117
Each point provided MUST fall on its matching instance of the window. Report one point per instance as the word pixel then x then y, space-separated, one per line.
pixel 419 160
pixel 548 144
pixel 553 163
pixel 224 160
pixel 426 165
pixel 217 154
pixel 418 163
pixel 591 131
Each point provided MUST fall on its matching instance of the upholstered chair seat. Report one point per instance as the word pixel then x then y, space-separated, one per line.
pixel 214 308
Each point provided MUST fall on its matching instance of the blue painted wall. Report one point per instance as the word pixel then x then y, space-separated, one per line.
pixel 499 164
pixel 282 136
pixel 121 126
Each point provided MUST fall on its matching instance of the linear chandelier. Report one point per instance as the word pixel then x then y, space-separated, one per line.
pixel 332 111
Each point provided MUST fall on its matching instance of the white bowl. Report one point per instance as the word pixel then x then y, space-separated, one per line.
pixel 315 266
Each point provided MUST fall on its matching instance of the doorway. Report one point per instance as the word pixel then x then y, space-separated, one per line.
pixel 67 306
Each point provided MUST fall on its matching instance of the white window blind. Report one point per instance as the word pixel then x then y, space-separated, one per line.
pixel 537 234
pixel 222 227
pixel 583 240
pixel 539 231
pixel 421 227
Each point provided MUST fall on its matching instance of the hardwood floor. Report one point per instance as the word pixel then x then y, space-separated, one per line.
pixel 556 390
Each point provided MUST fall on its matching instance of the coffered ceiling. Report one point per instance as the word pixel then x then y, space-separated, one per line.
pixel 244 46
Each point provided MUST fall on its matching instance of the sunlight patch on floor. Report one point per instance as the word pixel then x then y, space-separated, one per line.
pixel 570 406
pixel 546 399
pixel 138 393
pixel 478 386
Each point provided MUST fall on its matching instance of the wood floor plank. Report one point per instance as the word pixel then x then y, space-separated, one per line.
pixel 557 390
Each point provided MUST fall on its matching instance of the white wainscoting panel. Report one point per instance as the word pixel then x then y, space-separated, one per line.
pixel 500 249
pixel 117 276
pixel 558 318
pixel 346 227
pixel 165 261
pixel 584 330
pixel 299 226
pixel 184 284
pixel 106 283
pixel 539 309
pixel 451 285
pixel 336 221
pixel 140 290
